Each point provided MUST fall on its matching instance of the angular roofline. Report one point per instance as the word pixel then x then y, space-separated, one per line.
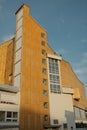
pixel 73 71
pixel 20 8
pixel 7 41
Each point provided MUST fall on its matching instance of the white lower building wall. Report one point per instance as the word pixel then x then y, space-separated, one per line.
pixel 8 107
pixel 61 108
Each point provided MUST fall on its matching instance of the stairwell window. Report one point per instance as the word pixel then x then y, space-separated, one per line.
pixel 44 61
pixel 43 52
pixel 45 104
pixel 42 35
pixel 45 92
pixel 45 117
pixel 44 81
pixel 43 43
pixel 44 71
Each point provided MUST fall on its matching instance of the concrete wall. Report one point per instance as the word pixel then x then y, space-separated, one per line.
pixel 61 108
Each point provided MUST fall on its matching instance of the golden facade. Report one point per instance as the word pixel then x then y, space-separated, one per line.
pixel 31 58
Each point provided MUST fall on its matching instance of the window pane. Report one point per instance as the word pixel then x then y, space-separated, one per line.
pixel 45 104
pixel 45 117
pixel 45 92
pixel 9 114
pixel 15 114
pixel 43 52
pixel 8 120
pixel 43 35
pixel 44 70
pixel 54 75
pixel 2 116
pixel 43 43
pixel 44 61
pixel 44 81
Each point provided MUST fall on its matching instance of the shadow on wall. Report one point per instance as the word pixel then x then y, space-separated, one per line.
pixel 70 120
pixel 31 118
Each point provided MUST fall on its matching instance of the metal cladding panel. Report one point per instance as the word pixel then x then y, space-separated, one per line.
pixel 19 33
pixel 17 81
pixel 17 68
pixel 19 14
pixel 18 44
pixel 18 56
pixel 19 23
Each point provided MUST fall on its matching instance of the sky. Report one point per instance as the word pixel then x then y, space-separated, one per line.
pixel 65 22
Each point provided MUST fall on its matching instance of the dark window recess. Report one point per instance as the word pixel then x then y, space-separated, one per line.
pixel 43 52
pixel 45 92
pixel 42 35
pixel 65 126
pixel 45 104
pixel 43 43
pixel 45 117
pixel 44 71
pixel 44 61
pixel 55 121
pixel 44 81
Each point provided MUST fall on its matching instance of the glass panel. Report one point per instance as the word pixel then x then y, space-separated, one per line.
pixel 45 92
pixel 43 43
pixel 45 117
pixel 15 114
pixel 9 114
pixel 83 115
pixel 2 116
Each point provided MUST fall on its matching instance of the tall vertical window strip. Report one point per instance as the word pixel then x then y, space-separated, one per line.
pixel 54 75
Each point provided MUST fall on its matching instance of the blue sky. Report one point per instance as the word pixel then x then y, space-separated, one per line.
pixel 66 25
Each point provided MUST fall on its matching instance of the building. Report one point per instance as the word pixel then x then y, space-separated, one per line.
pixel 38 88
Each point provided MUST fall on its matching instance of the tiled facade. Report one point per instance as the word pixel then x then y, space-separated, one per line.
pixel 29 64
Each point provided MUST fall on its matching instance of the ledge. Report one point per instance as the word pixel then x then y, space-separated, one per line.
pixel 8 88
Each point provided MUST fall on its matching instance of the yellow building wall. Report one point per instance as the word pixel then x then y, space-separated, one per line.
pixel 69 79
pixel 6 62
pixel 32 110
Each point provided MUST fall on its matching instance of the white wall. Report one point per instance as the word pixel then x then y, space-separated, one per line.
pixel 61 108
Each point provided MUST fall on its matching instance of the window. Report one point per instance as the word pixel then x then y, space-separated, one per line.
pixel 83 114
pixel 45 117
pixel 55 88
pixel 43 43
pixel 43 52
pixel 55 121
pixel 11 116
pixel 44 71
pixel 8 116
pixel 45 92
pixel 44 81
pixel 45 104
pixel 54 75
pixel 77 113
pixel 65 126
pixel 15 114
pixel 42 35
pixel 2 116
pixel 44 61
